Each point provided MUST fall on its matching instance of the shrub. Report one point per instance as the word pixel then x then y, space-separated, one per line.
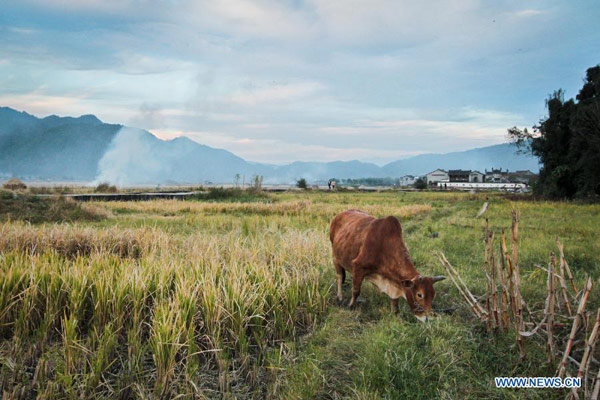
pixel 232 194
pixel 36 209
pixel 105 187
pixel 50 190
pixel 421 183
pixel 14 184
pixel 301 183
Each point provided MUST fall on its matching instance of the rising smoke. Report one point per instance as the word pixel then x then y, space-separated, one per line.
pixel 130 159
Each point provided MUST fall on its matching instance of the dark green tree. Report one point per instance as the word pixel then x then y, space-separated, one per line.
pixel 421 183
pixel 567 142
pixel 301 183
pixel 585 146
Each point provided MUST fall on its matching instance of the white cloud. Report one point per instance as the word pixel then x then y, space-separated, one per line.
pixel 528 13
pixel 262 150
pixel 312 79
pixel 275 93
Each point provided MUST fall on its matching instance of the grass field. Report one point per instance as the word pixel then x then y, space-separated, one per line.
pixel 204 299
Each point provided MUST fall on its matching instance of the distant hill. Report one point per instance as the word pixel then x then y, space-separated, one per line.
pixel 52 147
pixel 86 149
pixel 498 156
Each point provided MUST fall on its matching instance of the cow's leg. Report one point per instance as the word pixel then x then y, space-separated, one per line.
pixel 357 279
pixel 341 276
pixel 395 309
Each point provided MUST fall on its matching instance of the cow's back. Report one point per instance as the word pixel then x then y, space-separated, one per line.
pixel 347 233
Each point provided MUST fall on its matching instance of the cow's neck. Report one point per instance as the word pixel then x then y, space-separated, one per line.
pixel 402 265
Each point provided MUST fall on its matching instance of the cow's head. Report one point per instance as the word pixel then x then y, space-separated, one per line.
pixel 419 294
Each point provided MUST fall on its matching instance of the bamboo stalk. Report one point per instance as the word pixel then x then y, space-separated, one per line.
pixel 550 311
pixel 578 317
pixel 565 265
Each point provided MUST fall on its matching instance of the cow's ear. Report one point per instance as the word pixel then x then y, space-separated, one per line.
pixel 408 283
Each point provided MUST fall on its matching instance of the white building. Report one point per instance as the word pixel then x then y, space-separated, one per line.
pixel 499 186
pixel 476 177
pixel 496 175
pixel 439 175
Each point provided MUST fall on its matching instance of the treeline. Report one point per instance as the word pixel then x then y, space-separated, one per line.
pixel 567 142
pixel 370 182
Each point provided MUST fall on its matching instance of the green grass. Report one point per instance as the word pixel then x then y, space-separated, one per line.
pixel 34 209
pixel 232 297
pixel 220 194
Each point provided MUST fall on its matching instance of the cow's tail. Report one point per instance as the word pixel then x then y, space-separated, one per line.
pixel 343 275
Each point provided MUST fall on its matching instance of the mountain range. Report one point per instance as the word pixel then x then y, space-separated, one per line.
pixel 89 150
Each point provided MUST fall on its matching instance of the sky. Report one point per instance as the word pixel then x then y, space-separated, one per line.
pixel 313 80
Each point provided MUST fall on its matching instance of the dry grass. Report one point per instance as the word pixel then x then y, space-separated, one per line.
pixel 285 208
pixel 114 310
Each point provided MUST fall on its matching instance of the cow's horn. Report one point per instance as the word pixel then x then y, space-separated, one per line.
pixel 438 278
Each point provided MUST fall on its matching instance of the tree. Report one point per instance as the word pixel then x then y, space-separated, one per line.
pixel 301 183
pixel 257 181
pixel 567 142
pixel 421 183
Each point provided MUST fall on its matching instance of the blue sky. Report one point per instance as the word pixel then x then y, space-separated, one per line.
pixel 276 81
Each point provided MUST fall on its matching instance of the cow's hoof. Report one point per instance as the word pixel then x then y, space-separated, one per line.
pixel 361 300
pixel 340 302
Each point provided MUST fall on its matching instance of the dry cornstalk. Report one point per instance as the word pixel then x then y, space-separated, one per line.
pixel 589 349
pixel 510 277
pixel 573 394
pixel 497 319
pixel 463 290
pixel 505 295
pixel 596 387
pixel 550 311
pixel 488 287
pixel 591 343
pixel 578 317
pixel 519 326
pixel 463 283
pixel 483 209
pixel 564 265
pixel 563 285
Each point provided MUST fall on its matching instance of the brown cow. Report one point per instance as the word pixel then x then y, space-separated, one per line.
pixel 373 249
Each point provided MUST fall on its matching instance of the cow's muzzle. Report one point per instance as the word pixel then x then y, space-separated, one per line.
pixel 422 317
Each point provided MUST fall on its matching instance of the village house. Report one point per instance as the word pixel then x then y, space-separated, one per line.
pixel 469 176
pixel 439 175
pixel 496 175
pixel 476 177
pixel 458 175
